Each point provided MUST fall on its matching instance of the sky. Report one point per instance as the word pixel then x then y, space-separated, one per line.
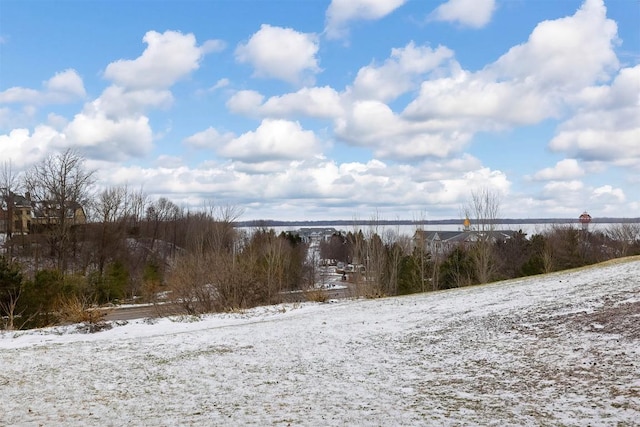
pixel 342 109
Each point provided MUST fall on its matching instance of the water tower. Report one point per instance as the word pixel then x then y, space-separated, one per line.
pixel 585 219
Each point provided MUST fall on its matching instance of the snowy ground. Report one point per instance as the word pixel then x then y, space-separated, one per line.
pixel 562 349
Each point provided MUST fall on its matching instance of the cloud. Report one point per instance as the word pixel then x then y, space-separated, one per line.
pixel 533 81
pixel 169 57
pixel 367 123
pixel 315 187
pixel 95 137
pixel 102 137
pixel 116 101
pixel 114 126
pixel 550 56
pixel 480 103
pixel 281 53
pixel 373 124
pixel 67 82
pixel 566 169
pixel 341 12
pixel 169 162
pixel 221 83
pixel 608 194
pixel 563 187
pixel 318 102
pixel 64 87
pixel 56 121
pixel 273 140
pixel 208 138
pixel 530 83
pixel 210 46
pixel 399 73
pixel 20 95
pixel 25 148
pixel 607 127
pixel 469 13
pixel 245 102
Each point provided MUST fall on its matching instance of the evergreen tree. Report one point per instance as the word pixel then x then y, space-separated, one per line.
pixel 10 291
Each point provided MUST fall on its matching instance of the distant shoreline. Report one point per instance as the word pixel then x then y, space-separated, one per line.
pixel 326 223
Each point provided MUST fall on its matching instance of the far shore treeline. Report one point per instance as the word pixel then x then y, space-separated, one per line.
pixel 456 221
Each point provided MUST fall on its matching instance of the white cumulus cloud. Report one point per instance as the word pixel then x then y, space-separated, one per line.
pixel 532 81
pixel 375 125
pixel 566 53
pixel 25 148
pixel 169 57
pixel 245 102
pixel 116 101
pixel 281 53
pixel 341 12
pixel 64 87
pixel 208 138
pixel 566 169
pixel 274 139
pixel 102 137
pixel 608 193
pixel 607 127
pixel 317 102
pixel 399 73
pixel 470 13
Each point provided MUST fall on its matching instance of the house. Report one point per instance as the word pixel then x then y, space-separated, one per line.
pixel 15 214
pixel 48 213
pixel 19 214
pixel 443 242
pixel 316 235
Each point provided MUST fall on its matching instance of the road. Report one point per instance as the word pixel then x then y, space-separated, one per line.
pixel 333 288
pixel 131 312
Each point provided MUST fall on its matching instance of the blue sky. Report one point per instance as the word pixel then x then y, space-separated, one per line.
pixel 336 109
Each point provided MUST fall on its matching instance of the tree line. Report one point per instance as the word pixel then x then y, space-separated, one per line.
pixel 137 249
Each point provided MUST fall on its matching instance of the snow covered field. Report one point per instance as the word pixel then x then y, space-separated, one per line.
pixel 562 349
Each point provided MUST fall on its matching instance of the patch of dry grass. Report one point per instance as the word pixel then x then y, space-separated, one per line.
pixel 316 295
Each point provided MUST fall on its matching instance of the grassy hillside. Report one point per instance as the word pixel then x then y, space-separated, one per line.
pixel 559 349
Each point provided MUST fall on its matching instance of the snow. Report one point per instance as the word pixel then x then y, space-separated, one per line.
pixel 560 349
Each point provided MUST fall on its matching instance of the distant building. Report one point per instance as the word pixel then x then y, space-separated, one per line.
pixel 443 242
pixel 15 214
pixel 585 220
pixel 19 214
pixel 317 235
pixel 47 213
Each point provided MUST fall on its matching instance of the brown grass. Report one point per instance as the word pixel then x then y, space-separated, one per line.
pixel 316 295
pixel 75 309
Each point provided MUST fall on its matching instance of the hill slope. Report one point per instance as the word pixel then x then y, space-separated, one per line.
pixel 561 349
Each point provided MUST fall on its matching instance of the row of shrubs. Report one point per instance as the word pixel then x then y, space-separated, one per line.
pixel 243 271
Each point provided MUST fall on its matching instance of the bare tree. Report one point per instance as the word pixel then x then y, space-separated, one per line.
pixel 483 211
pixel 136 204
pixel 9 186
pixel 160 214
pixel 221 235
pixel 370 255
pixel 60 184
pixel 625 235
pixel 275 254
pixel 111 212
pixel 425 260
pixel 396 247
